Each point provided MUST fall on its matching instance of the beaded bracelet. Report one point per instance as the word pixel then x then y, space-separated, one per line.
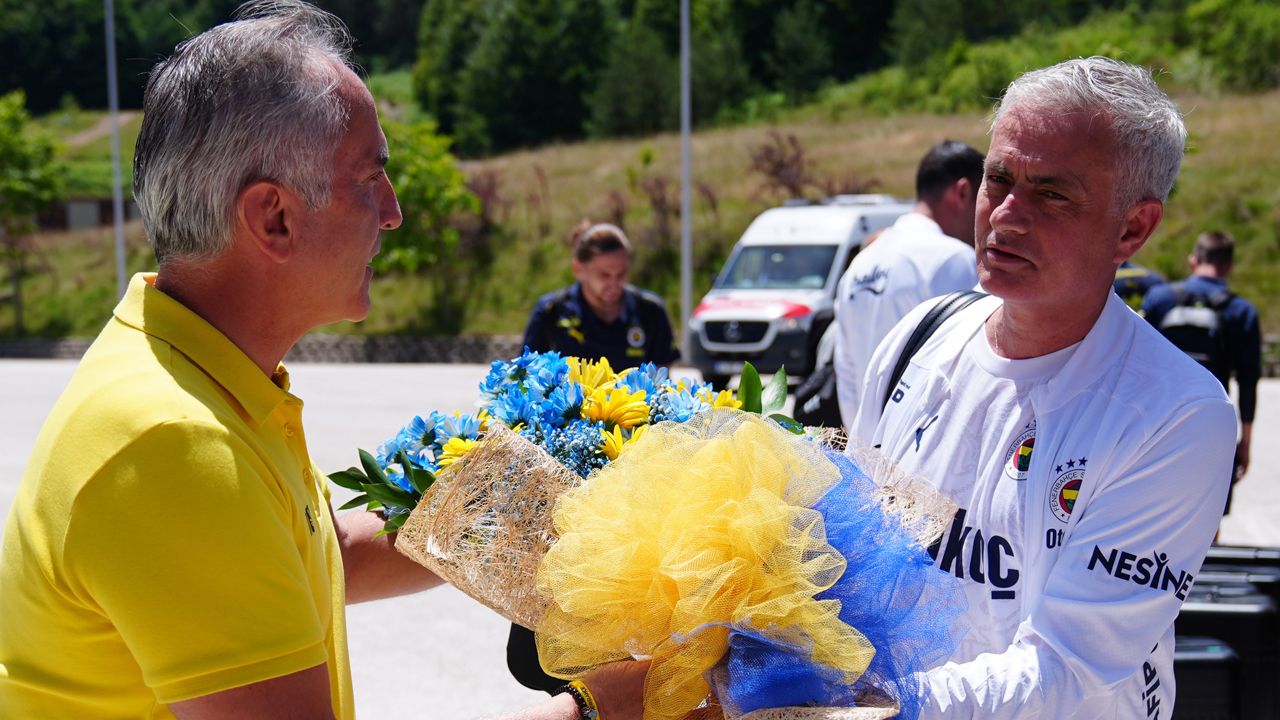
pixel 587 708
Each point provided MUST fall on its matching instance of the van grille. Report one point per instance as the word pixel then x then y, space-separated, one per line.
pixel 736 332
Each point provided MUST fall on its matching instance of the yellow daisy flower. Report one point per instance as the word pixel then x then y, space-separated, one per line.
pixel 614 444
pixel 724 399
pixel 454 450
pixel 616 406
pixel 635 435
pixel 591 375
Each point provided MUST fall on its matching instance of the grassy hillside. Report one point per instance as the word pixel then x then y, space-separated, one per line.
pixel 1230 180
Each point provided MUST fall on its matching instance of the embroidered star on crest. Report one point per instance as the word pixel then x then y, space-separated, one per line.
pixel 1071 463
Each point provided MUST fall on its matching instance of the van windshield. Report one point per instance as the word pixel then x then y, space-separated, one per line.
pixel 769 267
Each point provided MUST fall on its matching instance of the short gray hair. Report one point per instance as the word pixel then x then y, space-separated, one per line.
pixel 1149 131
pixel 253 99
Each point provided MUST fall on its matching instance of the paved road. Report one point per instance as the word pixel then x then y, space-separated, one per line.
pixel 440 654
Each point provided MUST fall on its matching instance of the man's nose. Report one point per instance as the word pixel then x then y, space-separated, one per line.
pixel 391 216
pixel 1010 216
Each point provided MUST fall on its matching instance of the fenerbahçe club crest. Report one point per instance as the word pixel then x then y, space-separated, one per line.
pixel 1018 460
pixel 1065 489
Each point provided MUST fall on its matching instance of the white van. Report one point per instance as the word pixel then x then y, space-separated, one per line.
pixel 774 297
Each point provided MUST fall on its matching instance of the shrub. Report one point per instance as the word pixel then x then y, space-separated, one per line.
pixel 1241 38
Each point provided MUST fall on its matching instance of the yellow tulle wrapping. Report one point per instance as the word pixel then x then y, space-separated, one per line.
pixel 695 528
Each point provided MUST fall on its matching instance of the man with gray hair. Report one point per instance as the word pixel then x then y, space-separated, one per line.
pixel 1087 456
pixel 172 550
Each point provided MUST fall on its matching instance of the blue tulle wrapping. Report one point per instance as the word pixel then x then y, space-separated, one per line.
pixel 890 592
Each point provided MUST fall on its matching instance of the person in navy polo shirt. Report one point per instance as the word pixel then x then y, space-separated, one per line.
pixel 601 316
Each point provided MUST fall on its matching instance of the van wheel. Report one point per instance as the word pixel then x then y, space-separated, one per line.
pixel 719 382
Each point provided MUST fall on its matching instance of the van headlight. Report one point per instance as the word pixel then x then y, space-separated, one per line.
pixel 791 324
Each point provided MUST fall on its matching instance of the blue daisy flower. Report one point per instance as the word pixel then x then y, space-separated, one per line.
pixel 417 440
pixel 493 383
pixel 456 426
pixel 545 372
pixel 677 405
pixel 513 407
pixel 647 377
pixel 563 405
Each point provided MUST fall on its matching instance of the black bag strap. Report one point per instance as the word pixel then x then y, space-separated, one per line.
pixel 1217 301
pixel 938 314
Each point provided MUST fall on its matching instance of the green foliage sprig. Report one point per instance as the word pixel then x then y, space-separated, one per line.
pixel 378 493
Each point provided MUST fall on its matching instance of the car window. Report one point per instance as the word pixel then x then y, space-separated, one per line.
pixel 778 267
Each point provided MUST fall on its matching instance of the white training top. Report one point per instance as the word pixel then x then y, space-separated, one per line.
pixel 912 261
pixel 1090 483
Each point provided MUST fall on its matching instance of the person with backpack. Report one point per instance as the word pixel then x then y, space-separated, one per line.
pixel 1216 327
pixel 1133 282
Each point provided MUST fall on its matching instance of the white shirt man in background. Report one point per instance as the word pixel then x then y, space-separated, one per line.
pixel 926 253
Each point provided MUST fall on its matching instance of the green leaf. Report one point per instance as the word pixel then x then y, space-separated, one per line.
pixel 356 501
pixel 420 478
pixel 371 467
pixel 788 423
pixel 749 389
pixel 391 496
pixel 393 525
pixel 351 479
pixel 774 396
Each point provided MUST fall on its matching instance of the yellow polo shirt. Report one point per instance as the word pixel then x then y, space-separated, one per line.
pixel 171 538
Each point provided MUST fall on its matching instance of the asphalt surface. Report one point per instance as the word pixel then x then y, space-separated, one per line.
pixel 439 654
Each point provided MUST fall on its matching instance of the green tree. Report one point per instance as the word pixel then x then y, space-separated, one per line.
pixel 531 71
pixel 922 28
pixel 447 33
pixel 719 74
pixel 29 180
pixel 432 191
pixel 639 88
pixel 1241 39
pixel 801 56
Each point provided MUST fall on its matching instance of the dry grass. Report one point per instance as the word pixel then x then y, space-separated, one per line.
pixel 1230 180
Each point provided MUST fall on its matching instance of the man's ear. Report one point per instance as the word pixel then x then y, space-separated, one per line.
pixel 963 190
pixel 267 213
pixel 1140 222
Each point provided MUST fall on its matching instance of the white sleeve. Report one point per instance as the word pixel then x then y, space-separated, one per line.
pixel 861 421
pixel 848 375
pixel 1116 585
pixel 958 272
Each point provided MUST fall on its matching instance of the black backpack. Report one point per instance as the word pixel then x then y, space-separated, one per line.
pixel 1195 325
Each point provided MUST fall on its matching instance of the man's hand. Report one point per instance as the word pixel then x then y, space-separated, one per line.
pixel 1242 452
pixel 619 689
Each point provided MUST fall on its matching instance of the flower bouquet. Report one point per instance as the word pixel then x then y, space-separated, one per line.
pixel 625 515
